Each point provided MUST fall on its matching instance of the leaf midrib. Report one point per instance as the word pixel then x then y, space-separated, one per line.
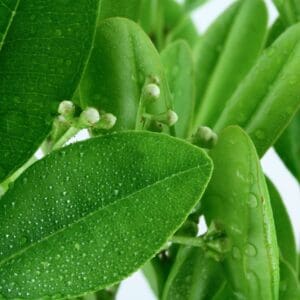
pixel 13 13
pixel 21 251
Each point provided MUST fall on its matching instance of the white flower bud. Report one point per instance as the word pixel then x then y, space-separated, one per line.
pixel 89 117
pixel 107 121
pixel 152 91
pixel 66 108
pixel 205 137
pixel 172 118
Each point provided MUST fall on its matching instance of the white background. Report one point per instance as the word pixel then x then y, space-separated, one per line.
pixel 135 287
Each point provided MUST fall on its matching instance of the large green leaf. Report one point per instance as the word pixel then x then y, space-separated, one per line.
pixel 120 8
pixel 288 146
pixel 178 62
pixel 284 229
pixel 237 200
pixel 122 60
pixel 90 214
pixel 236 40
pixel 193 276
pixel 43 48
pixel 269 96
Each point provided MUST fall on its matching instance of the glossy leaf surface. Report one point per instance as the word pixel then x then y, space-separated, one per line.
pixel 237 201
pixel 122 60
pixel 89 215
pixel 274 90
pixel 178 63
pixel 237 46
pixel 44 47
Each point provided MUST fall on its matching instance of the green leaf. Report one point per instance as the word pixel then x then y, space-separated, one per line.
pixel 87 216
pixel 289 284
pixel 193 276
pixel 284 229
pixel 275 31
pixel 274 90
pixel 289 10
pixel 178 62
pixel 44 46
pixel 190 5
pixel 237 201
pixel 236 39
pixel 119 8
pixel 148 15
pixel 122 60
pixel 288 146
pixel 185 30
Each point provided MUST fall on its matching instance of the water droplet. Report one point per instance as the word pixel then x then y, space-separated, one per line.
pixel 23 240
pixel 77 246
pixel 236 253
pixel 252 201
pixel 64 193
pixel 116 192
pixel 250 250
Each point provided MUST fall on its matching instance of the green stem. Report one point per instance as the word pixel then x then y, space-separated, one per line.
pixel 71 132
pixel 189 241
pixel 139 124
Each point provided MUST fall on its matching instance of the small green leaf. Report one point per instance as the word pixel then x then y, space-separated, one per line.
pixel 190 5
pixel 119 8
pixel 44 46
pixel 288 146
pixel 122 61
pixel 237 47
pixel 193 276
pixel 284 229
pixel 178 62
pixel 87 216
pixel 274 90
pixel 237 201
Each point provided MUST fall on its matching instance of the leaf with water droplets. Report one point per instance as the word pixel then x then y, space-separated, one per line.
pixel 269 97
pixel 233 44
pixel 122 61
pixel 193 276
pixel 84 222
pixel 237 200
pixel 284 229
pixel 178 62
pixel 288 146
pixel 42 54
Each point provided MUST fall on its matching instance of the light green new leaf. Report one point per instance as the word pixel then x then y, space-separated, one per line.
pixel 119 8
pixel 269 97
pixel 284 229
pixel 193 276
pixel 43 48
pixel 122 60
pixel 87 216
pixel 236 40
pixel 288 146
pixel 237 200
pixel 178 62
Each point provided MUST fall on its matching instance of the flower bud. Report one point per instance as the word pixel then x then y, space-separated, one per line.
pixel 152 91
pixel 66 108
pixel 89 117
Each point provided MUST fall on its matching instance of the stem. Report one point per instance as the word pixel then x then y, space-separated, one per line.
pixel 189 241
pixel 139 124
pixel 68 135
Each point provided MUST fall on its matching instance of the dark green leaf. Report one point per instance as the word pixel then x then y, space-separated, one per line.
pixel 236 39
pixel 119 8
pixel 284 229
pixel 42 53
pixel 190 5
pixel 122 60
pixel 274 89
pixel 288 146
pixel 178 62
pixel 193 276
pixel 238 202
pixel 289 10
pixel 87 216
